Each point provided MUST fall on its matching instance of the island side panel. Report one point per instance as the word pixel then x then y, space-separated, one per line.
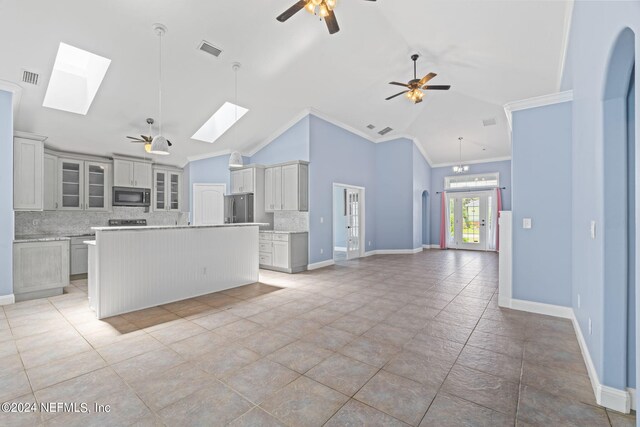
pixel 145 268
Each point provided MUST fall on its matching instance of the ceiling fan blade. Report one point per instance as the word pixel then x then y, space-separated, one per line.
pixel 426 78
pixel 399 84
pixel 397 94
pixel 437 87
pixel 146 138
pixel 138 142
pixel 291 11
pixel 332 23
pixel 135 138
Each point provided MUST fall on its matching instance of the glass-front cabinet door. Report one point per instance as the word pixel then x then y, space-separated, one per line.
pixel 166 190
pixel 70 187
pixel 174 195
pixel 160 190
pixel 96 186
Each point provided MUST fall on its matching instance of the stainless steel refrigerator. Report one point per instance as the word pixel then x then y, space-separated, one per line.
pixel 238 208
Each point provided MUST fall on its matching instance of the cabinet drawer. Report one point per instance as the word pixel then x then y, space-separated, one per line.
pixel 266 236
pixel 265 247
pixel 265 259
pixel 281 237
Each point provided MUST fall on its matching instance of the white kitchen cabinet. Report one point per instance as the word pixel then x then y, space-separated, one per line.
pixel 50 183
pixel 28 170
pixel 40 269
pixel 242 181
pixel 284 251
pixel 167 186
pixel 287 187
pixel 131 173
pixel 83 185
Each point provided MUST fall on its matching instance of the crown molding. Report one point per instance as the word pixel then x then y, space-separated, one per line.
pixel 538 101
pixel 472 162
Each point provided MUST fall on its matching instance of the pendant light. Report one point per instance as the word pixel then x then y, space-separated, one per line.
pixel 160 145
pixel 460 168
pixel 235 160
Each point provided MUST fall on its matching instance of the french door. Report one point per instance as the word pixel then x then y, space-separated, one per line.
pixel 468 221
pixel 353 223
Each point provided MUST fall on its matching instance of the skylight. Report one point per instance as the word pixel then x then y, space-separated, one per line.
pixel 75 79
pixel 220 122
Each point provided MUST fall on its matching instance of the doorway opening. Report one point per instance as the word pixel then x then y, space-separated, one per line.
pixel 348 222
pixel 471 220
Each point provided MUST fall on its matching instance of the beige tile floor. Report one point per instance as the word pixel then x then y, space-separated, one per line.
pixel 388 340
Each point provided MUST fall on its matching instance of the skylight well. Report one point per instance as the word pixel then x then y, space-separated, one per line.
pixel 220 122
pixel 75 79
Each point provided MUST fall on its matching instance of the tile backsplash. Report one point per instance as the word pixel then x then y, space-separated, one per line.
pixel 62 223
pixel 291 221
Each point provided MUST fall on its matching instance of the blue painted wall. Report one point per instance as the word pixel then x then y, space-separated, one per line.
pixel 541 159
pixel 437 185
pixel 394 194
pixel 292 145
pixel 631 214
pixel 6 193
pixel 596 24
pixel 339 156
pixel 421 183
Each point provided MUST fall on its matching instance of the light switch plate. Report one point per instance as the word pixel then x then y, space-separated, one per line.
pixel 526 223
pixel 593 230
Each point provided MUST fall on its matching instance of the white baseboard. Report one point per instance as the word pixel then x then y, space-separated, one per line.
pixel 538 308
pixel 432 246
pixel 609 397
pixel 632 395
pixel 320 264
pixel 7 299
pixel 397 251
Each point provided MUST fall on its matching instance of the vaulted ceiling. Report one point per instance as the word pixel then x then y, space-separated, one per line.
pixel 491 52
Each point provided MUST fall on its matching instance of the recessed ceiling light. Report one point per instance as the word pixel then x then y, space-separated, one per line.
pixel 220 122
pixel 75 79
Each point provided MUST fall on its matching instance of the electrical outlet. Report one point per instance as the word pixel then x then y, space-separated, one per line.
pixel 593 230
pixel 321 251
pixel 578 300
pixel 526 223
pixel 369 242
pixel 590 326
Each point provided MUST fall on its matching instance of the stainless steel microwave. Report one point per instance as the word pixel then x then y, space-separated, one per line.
pixel 126 196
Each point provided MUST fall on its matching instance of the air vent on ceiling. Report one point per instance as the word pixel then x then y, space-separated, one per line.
pixel 371 126
pixel 30 77
pixel 385 131
pixel 205 46
pixel 489 122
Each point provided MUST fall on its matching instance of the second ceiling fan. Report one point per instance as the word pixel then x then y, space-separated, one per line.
pixel 322 8
pixel 416 86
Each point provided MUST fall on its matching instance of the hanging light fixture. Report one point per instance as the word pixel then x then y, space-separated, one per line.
pixel 460 168
pixel 235 160
pixel 159 145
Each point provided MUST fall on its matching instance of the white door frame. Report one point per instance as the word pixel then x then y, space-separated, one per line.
pixel 361 217
pixel 193 193
pixel 484 237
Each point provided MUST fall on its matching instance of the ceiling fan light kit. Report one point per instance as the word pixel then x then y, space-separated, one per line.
pixel 416 86
pixel 322 8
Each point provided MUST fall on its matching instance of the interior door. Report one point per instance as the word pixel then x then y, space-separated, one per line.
pixel 353 223
pixel 469 221
pixel 208 204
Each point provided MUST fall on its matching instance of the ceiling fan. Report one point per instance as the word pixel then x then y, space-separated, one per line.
pixel 416 86
pixel 321 8
pixel 144 139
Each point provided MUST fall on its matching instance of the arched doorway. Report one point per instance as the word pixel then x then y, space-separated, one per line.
pixel 619 216
pixel 426 235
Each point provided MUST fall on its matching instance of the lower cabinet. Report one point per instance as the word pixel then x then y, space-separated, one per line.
pixel 284 251
pixel 40 269
pixel 79 256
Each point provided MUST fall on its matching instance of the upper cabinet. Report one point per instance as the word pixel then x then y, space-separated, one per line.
pixel 131 173
pixel 286 187
pixel 50 184
pixel 242 181
pixel 83 185
pixel 167 185
pixel 28 172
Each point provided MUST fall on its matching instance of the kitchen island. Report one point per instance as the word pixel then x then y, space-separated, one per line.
pixel 131 268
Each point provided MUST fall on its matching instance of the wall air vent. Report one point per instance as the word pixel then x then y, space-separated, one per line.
pixel 205 46
pixel 30 77
pixel 371 126
pixel 489 122
pixel 385 131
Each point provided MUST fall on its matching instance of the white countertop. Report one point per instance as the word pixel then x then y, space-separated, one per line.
pixel 283 232
pixel 173 227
